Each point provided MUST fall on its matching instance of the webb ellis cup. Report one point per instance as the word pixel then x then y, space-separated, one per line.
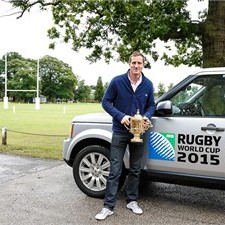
pixel 138 125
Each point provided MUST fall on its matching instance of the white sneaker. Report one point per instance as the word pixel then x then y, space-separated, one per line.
pixel 134 207
pixel 103 214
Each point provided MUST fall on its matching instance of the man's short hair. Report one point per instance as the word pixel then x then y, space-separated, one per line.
pixel 136 53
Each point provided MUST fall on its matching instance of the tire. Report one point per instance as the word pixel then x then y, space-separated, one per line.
pixel 91 169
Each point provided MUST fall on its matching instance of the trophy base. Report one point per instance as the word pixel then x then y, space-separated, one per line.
pixel 136 140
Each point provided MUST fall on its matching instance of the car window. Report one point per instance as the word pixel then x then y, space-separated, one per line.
pixel 204 96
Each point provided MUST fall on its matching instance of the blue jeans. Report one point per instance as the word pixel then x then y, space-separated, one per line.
pixel 117 150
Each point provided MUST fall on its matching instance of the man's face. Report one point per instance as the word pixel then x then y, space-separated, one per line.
pixel 136 65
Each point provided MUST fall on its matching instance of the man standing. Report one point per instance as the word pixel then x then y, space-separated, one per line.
pixel 126 94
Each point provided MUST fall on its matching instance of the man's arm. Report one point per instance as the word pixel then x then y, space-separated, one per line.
pixel 107 102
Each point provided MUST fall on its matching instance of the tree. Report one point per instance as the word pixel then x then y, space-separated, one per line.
pixel 106 86
pixel 170 86
pixel 24 78
pixel 109 27
pixel 57 79
pixel 161 89
pixel 21 75
pixel 99 90
pixel 2 77
pixel 83 92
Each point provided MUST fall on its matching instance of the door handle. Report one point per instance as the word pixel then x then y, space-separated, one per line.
pixel 212 128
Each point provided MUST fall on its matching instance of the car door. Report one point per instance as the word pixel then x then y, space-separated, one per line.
pixel 191 140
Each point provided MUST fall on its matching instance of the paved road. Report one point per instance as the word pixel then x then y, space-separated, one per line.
pixel 42 192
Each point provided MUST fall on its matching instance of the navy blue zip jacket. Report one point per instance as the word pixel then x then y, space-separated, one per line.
pixel 120 100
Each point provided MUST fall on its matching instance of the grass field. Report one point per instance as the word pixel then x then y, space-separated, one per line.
pixel 40 133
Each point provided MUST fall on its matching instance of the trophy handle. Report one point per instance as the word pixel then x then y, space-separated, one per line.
pixel 149 125
pixel 128 127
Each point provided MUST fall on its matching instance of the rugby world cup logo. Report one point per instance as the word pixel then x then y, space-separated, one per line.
pixel 162 146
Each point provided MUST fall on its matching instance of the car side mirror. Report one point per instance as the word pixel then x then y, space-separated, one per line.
pixel 164 108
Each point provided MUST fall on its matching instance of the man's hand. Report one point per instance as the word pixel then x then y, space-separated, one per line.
pixel 147 123
pixel 126 120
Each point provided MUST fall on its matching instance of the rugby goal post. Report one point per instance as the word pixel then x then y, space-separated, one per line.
pixel 6 99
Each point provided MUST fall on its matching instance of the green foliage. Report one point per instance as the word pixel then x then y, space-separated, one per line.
pixel 2 77
pixel 99 90
pixel 170 86
pixel 161 89
pixel 106 86
pixel 109 27
pixel 113 29
pixel 57 79
pixel 83 92
pixel 21 75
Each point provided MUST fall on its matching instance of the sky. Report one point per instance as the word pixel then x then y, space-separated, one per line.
pixel 28 37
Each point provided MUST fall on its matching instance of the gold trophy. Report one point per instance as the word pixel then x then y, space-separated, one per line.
pixel 138 125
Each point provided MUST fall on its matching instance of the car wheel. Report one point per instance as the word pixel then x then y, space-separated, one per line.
pixel 90 170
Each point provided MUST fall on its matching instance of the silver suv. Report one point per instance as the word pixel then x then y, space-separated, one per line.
pixel 186 144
